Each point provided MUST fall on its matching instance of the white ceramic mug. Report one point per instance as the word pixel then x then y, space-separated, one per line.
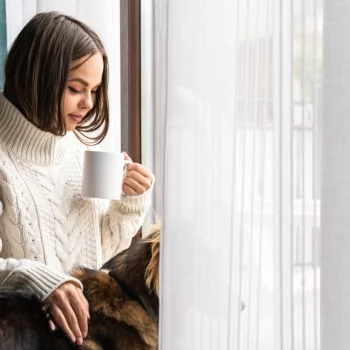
pixel 103 174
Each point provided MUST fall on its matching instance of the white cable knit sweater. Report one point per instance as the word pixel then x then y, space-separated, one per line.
pixel 46 226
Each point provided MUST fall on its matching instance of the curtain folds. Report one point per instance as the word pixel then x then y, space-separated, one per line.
pixel 237 96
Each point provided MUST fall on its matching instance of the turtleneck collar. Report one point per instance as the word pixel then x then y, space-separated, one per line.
pixel 22 138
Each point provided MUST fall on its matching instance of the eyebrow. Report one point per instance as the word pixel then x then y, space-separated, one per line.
pixel 82 81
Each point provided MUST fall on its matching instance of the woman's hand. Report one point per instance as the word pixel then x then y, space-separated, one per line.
pixel 68 310
pixel 137 180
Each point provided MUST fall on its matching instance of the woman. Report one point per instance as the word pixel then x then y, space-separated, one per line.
pixel 55 95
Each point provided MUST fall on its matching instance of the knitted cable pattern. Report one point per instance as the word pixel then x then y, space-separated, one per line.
pixel 18 216
pixel 43 216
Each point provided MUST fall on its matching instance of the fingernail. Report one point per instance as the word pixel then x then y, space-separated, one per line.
pixel 84 334
pixel 79 341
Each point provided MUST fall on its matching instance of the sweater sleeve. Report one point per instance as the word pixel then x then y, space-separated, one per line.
pixel 31 276
pixel 122 221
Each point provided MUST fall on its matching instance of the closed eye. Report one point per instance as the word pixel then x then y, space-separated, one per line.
pixel 73 91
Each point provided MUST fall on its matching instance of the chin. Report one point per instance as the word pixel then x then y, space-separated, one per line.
pixel 70 127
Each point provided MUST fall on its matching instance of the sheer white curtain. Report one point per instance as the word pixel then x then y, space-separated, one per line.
pixel 104 17
pixel 236 152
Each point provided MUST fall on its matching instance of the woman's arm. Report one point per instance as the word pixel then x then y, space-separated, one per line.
pixel 122 221
pixel 125 217
pixel 32 276
pixel 61 294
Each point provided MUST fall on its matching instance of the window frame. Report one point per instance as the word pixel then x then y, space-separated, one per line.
pixel 130 78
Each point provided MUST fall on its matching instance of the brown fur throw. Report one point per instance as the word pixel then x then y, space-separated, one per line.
pixel 123 306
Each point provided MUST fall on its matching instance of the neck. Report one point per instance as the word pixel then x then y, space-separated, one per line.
pixel 23 139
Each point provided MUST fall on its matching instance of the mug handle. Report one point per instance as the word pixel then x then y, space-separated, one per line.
pixel 126 162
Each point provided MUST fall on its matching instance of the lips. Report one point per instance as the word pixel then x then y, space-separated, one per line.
pixel 76 117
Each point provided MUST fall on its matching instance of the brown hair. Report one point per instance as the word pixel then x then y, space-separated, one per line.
pixel 37 70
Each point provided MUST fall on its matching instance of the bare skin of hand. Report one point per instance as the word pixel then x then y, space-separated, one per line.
pixel 68 310
pixel 137 180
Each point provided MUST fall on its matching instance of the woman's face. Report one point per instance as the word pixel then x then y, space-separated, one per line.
pixel 80 93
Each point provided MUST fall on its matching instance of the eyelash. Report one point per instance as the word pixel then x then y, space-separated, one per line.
pixel 74 91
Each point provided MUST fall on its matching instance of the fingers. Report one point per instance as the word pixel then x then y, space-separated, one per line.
pixel 47 315
pixel 129 190
pixel 69 310
pixel 126 156
pixel 81 314
pixel 139 169
pixel 52 325
pixel 137 180
pixel 133 187
pixel 67 322
pixel 84 301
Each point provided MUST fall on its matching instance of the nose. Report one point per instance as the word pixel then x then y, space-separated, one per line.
pixel 87 101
